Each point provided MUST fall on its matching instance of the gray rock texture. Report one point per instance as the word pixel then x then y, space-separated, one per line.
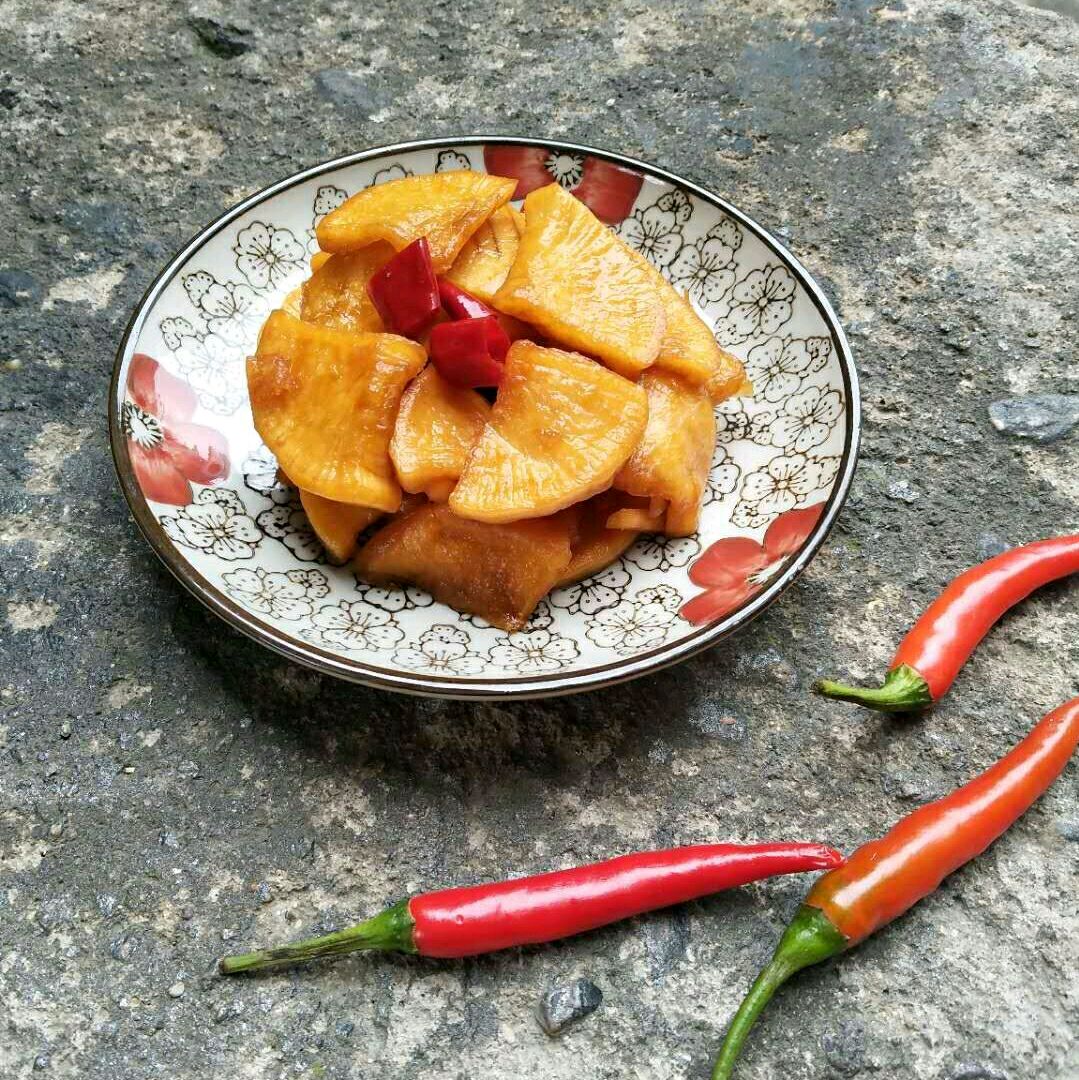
pixel 170 791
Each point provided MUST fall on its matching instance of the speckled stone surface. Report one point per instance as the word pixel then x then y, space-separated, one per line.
pixel 169 791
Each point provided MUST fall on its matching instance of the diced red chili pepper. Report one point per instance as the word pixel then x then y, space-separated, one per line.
pixel 469 352
pixel 608 190
pixel 405 290
pixel 498 341
pixel 460 304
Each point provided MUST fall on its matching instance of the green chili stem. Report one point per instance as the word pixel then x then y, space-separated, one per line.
pixel 904 690
pixel 809 939
pixel 389 931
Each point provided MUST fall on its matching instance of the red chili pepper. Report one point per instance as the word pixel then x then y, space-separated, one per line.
pixel 931 655
pixel 527 911
pixel 469 352
pixel 885 877
pixel 405 290
pixel 460 304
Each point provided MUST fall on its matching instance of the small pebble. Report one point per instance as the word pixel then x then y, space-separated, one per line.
pixel 65 730
pixel 344 1028
pixel 264 893
pixel 125 946
pixel 222 39
pixel 1069 829
pixel 229 1011
pixel 902 491
pixel 41 1062
pixel 177 990
pixel 17 288
pixel 1041 417
pixel 51 915
pixel 567 1004
pixel 990 545
pixel 970 1070
pixel 352 95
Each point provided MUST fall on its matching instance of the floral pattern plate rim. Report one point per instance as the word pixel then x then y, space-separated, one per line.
pixel 205 495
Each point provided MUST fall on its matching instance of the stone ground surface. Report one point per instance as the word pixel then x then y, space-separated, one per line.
pixel 169 790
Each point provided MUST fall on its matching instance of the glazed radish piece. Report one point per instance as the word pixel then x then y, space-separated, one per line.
pixel 485 260
pixel 437 426
pixel 498 572
pixel 337 525
pixel 561 427
pixel 325 402
pixel 671 462
pixel 445 208
pixel 582 286
pixel 336 293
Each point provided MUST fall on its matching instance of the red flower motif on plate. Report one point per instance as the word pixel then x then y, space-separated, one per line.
pixel 734 569
pixel 167 451
pixel 608 190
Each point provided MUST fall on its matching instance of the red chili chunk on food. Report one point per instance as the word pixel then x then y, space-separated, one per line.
pixel 460 304
pixel 470 352
pixel 405 290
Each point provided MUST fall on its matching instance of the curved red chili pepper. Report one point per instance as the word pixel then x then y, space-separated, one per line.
pixel 885 877
pixel 931 655
pixel 530 910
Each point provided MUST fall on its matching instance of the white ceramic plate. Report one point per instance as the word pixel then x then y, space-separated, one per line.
pixel 239 541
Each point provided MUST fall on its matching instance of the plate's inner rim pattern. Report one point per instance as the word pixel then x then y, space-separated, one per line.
pixel 649 583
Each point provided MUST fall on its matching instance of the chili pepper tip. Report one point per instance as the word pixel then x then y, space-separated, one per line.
pixel 904 690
